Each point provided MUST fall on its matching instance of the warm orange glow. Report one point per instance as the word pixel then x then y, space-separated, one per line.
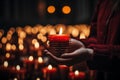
pixel 4 40
pixel 20 40
pixel 1 32
pixel 40 60
pixel 60 32
pixel 22 34
pixel 44 39
pixel 39 36
pixel 9 36
pixel 28 29
pixel 75 32
pixel 82 36
pixel 50 67
pixel 7 55
pixel 66 9
pixel 30 58
pixel 43 31
pixel 21 47
pixel 13 47
pixel 34 41
pixel 84 29
pixel 52 31
pixel 36 45
pixel 8 46
pixel 76 72
pixel 51 9
pixel 34 30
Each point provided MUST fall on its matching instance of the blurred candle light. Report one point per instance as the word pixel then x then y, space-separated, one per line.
pixel 5 64
pixel 1 32
pixel 30 58
pixel 82 36
pixel 66 9
pixel 7 55
pixel 36 45
pixel 49 67
pixel 38 78
pixel 4 40
pixel 20 41
pixel 34 41
pixel 21 46
pixel 13 47
pixel 15 78
pixel 8 46
pixel 18 67
pixel 52 31
pixel 76 73
pixel 75 32
pixel 40 60
pixel 51 9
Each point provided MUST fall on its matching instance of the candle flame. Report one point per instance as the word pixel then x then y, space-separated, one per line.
pixel 76 72
pixel 40 60
pixel 50 67
pixel 30 58
pixel 60 32
pixel 18 67
pixel 5 64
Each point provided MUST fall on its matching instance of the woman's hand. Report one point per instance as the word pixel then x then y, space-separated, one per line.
pixel 76 53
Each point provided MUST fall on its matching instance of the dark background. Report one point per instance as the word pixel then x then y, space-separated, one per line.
pixel 15 13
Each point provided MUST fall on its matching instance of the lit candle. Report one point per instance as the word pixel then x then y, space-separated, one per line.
pixel 59 37
pixel 76 75
pixel 50 72
pixel 39 63
pixel 5 64
pixel 18 67
pixel 58 43
pixel 31 58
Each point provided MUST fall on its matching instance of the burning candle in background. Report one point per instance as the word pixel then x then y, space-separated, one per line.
pixel 30 58
pixel 5 64
pixel 76 75
pixel 50 72
pixel 39 63
pixel 18 67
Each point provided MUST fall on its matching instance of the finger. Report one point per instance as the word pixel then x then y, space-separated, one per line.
pixel 56 58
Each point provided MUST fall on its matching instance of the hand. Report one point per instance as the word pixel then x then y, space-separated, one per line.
pixel 78 54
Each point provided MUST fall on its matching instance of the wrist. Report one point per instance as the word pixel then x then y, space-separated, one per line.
pixel 91 53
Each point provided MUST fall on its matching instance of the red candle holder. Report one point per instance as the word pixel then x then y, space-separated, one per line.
pixel 58 43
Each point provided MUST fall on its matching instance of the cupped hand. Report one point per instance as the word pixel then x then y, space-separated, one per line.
pixel 76 53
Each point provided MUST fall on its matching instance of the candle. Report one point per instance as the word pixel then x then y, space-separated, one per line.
pixel 50 72
pixel 39 63
pixel 64 71
pixel 58 43
pixel 76 75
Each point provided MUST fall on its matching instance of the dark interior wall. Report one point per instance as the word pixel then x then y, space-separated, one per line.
pixel 23 12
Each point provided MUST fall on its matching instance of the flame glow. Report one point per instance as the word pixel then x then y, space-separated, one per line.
pixel 76 72
pixel 50 67
pixel 60 32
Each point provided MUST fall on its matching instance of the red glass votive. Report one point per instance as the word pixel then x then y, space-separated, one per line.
pixel 58 43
